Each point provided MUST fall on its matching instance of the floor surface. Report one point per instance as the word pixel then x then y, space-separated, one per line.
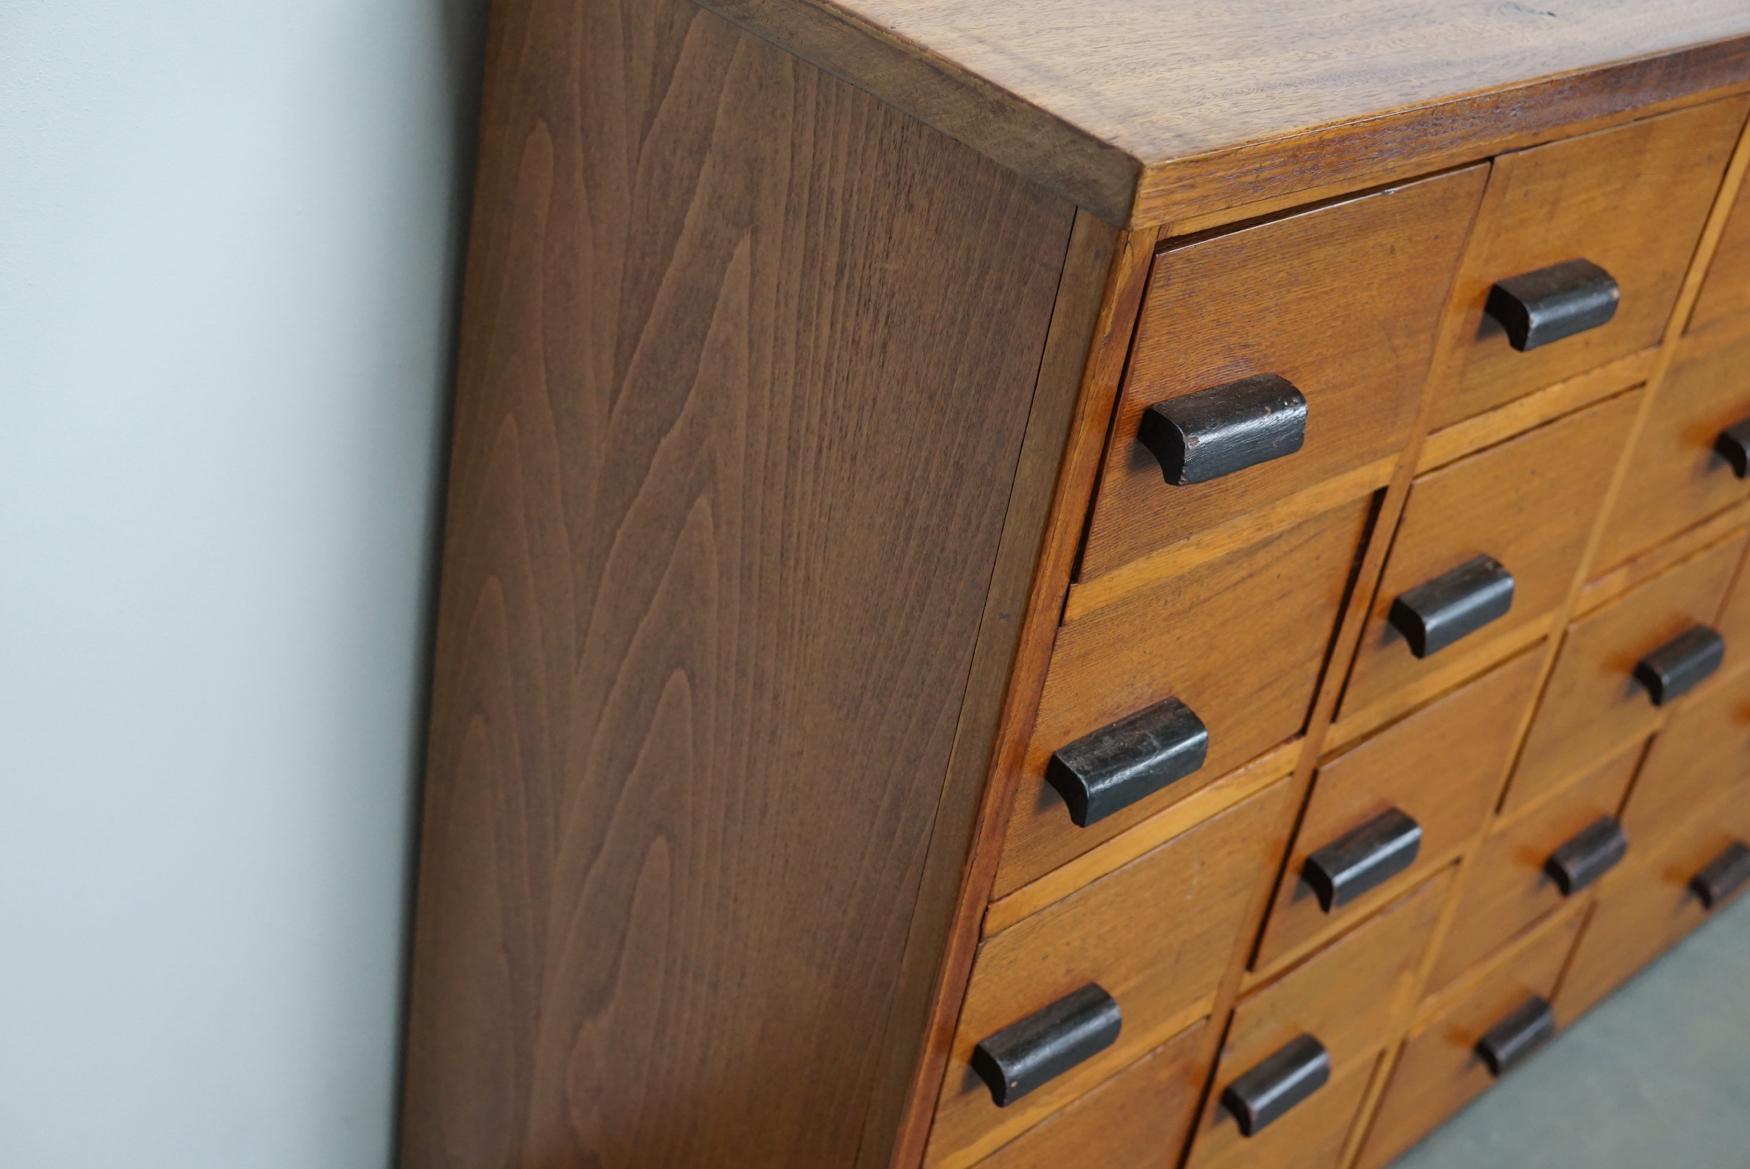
pixel 1657 1077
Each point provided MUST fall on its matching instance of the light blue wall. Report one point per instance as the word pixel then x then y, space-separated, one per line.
pixel 228 234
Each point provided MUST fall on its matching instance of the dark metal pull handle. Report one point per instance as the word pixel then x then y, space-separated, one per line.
pixel 1363 859
pixel 1588 856
pixel 1432 616
pixel 1136 756
pixel 1681 664
pixel 1218 431
pixel 1047 1043
pixel 1733 445
pixel 1723 876
pixel 1263 1095
pixel 1514 1038
pixel 1553 303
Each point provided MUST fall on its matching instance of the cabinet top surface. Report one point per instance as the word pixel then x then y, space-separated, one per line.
pixel 1132 86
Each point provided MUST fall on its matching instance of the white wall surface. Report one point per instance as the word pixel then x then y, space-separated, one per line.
pixel 228 238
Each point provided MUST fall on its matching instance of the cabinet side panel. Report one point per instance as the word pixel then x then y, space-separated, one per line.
pixel 747 362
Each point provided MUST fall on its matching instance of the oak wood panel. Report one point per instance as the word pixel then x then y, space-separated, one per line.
pixel 1442 766
pixel 1312 1136
pixel 1675 477
pixel 1156 935
pixel 746 364
pixel 1648 907
pixel 1632 199
pixel 1272 607
pixel 1136 1118
pixel 1439 1071
pixel 1702 752
pixel 1726 293
pixel 1346 996
pixel 1283 298
pixel 1530 503
pixel 1508 888
pixel 1149 113
pixel 1592 702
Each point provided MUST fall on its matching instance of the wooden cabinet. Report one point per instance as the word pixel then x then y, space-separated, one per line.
pixel 1067 585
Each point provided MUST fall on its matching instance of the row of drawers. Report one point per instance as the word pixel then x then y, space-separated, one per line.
pixel 1192 647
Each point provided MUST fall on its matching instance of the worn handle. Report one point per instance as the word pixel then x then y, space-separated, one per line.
pixel 1433 615
pixel 1136 756
pixel 1552 303
pixel 1047 1043
pixel 1733 445
pixel 1594 851
pixel 1681 664
pixel 1263 1095
pixel 1724 876
pixel 1510 1041
pixel 1215 432
pixel 1363 859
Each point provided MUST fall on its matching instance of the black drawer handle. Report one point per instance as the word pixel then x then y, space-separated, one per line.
pixel 1265 1094
pixel 1723 876
pixel 1047 1043
pixel 1681 664
pixel 1733 445
pixel 1514 1038
pixel 1589 855
pixel 1432 616
pixel 1553 303
pixel 1228 428
pixel 1136 756
pixel 1363 859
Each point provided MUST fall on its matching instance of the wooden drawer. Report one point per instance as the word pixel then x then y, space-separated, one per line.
pixel 1240 641
pixel 1439 1069
pixel 1442 767
pixel 1726 292
pixel 1631 200
pixel 1527 504
pixel 1154 935
pixel 1312 1136
pixel 1346 997
pixel 1508 886
pixel 1676 475
pixel 1650 906
pixel 1343 301
pixel 1134 1119
pixel 1702 754
pixel 1592 703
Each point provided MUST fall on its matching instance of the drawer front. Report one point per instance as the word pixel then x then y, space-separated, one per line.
pixel 1509 886
pixel 1631 201
pixel 1527 505
pixel 1651 906
pixel 1726 292
pixel 1701 755
pixel 1345 997
pixel 1439 1069
pixel 1593 702
pixel 1239 642
pixel 1134 1119
pixel 1342 302
pixel 1681 470
pixel 1441 768
pixel 1155 936
pixel 1312 1136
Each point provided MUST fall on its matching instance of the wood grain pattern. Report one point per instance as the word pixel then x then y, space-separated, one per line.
pixel 1508 889
pixel 1312 1136
pixel 747 364
pixel 1273 606
pixel 1592 702
pixel 1148 113
pixel 1283 298
pixel 1726 293
pixel 1702 753
pixel 1530 503
pixel 1631 199
pixel 1443 766
pixel 1156 935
